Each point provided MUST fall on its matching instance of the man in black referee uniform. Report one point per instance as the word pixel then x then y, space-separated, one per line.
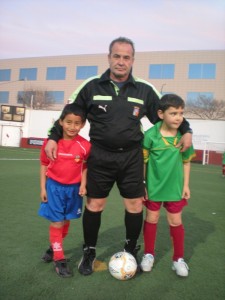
pixel 115 102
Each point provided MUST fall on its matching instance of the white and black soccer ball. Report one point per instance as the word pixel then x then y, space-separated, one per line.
pixel 122 265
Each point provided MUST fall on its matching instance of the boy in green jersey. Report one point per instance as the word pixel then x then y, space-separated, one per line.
pixel 167 173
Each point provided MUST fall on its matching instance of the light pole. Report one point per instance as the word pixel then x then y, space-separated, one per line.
pixel 8 82
pixel 162 87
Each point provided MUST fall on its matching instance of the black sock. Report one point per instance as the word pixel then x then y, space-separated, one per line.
pixel 91 225
pixel 133 224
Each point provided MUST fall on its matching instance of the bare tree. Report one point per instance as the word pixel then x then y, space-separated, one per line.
pixel 205 108
pixel 35 98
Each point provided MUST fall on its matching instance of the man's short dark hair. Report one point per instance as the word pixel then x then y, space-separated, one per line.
pixel 122 40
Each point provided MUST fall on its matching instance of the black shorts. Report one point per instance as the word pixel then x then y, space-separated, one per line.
pixel 106 167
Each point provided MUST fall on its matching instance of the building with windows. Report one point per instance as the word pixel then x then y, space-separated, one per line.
pixel 188 73
pixel 30 82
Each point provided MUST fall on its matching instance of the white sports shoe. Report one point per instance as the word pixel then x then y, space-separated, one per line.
pixel 180 267
pixel 147 262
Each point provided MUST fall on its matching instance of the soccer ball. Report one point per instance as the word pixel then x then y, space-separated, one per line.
pixel 122 265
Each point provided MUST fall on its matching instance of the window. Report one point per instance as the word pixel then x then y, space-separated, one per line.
pixel 25 97
pixel 28 74
pixel 164 71
pixel 5 75
pixel 50 97
pixel 55 97
pixel 4 97
pixel 86 72
pixel 20 97
pixel 56 73
pixel 202 71
pixel 193 97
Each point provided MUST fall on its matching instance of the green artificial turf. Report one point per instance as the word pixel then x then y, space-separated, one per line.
pixel 24 238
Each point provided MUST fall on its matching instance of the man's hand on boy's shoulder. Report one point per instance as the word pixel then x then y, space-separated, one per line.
pixel 51 149
pixel 185 142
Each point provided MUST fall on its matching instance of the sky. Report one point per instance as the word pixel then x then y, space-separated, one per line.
pixel 35 28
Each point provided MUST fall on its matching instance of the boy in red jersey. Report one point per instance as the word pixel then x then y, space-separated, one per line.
pixel 63 183
pixel 167 181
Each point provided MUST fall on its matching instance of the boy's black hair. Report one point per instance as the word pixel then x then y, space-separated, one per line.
pixel 169 100
pixel 75 109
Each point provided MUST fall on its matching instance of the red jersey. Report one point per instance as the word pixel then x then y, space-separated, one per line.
pixel 70 162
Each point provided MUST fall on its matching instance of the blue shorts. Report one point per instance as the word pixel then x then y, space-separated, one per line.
pixel 64 202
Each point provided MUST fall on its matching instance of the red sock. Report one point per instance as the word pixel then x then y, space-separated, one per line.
pixel 150 230
pixel 65 229
pixel 56 241
pixel 223 169
pixel 177 236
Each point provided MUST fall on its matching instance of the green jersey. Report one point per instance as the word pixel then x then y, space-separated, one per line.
pixel 164 169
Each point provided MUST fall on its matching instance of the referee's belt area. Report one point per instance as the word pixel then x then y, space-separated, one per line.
pixel 117 150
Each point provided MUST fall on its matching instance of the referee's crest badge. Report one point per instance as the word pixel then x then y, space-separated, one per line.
pixel 136 111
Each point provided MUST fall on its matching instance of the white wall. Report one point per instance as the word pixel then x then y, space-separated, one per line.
pixel 38 122
pixel 204 130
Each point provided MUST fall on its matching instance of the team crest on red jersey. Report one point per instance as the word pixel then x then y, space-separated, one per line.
pixel 77 158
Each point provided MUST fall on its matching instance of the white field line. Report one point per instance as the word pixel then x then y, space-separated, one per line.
pixel 19 158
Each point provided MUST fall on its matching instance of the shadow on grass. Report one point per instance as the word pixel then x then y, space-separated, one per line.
pixel 112 240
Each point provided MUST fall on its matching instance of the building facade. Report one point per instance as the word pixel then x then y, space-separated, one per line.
pixel 189 74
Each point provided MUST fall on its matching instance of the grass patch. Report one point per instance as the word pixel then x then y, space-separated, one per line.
pixel 24 237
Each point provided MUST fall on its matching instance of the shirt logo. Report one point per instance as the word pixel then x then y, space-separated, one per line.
pixel 136 111
pixel 103 107
pixel 57 246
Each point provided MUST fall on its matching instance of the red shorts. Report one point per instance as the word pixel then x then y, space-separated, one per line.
pixel 172 206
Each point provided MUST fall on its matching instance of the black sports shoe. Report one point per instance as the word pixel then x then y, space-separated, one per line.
pixel 134 253
pixel 86 265
pixel 62 269
pixel 48 256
